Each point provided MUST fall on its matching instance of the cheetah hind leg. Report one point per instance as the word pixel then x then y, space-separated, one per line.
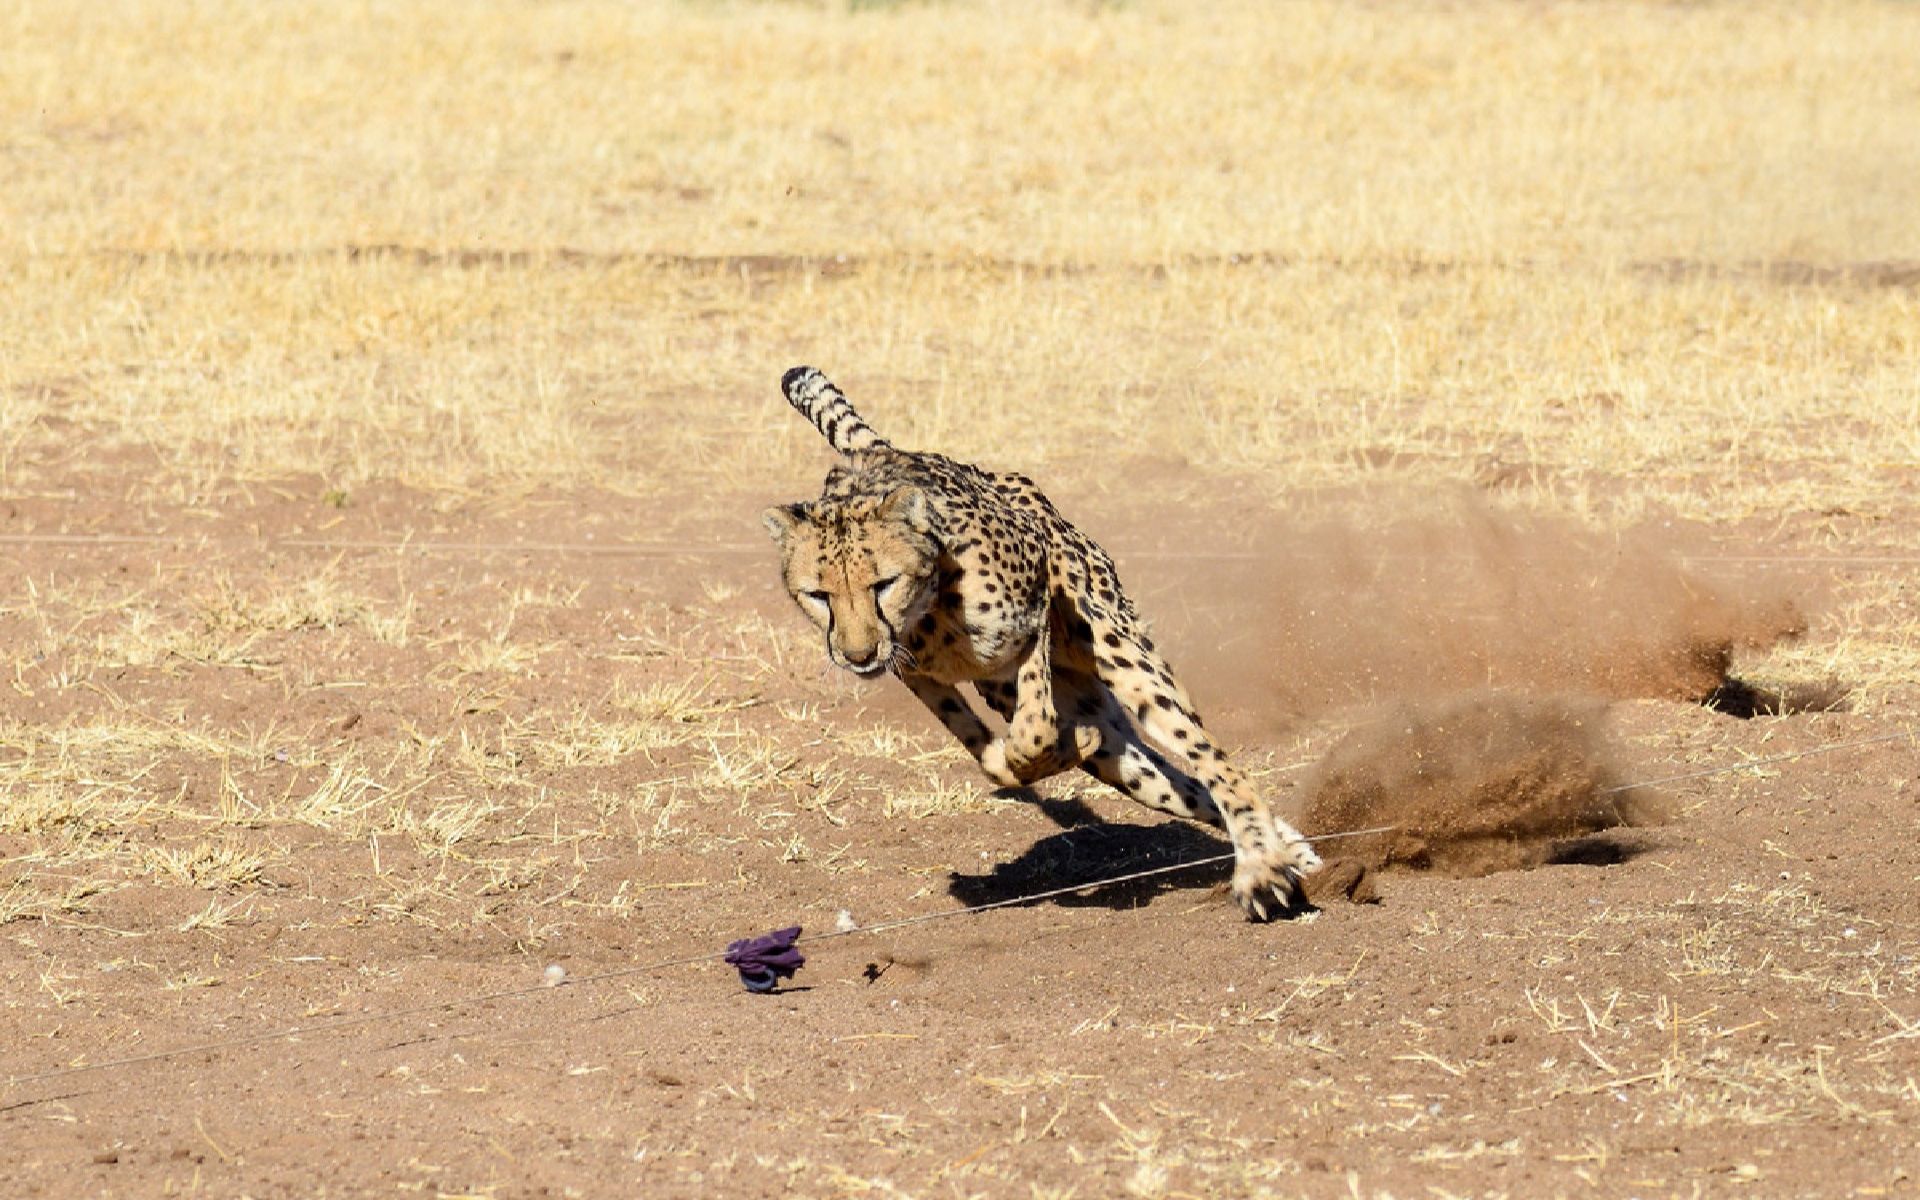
pixel 1271 857
pixel 1264 887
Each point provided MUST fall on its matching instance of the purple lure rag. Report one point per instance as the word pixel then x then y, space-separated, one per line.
pixel 764 961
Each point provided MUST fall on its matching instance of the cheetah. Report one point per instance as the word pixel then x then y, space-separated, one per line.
pixel 943 574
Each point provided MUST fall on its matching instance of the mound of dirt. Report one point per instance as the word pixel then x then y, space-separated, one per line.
pixel 1475 784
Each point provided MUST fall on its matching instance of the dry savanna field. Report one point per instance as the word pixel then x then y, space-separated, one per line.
pixel 1507 414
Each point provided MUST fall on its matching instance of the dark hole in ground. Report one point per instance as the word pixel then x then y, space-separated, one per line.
pixel 1737 698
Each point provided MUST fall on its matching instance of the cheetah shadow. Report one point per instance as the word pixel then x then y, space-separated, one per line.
pixel 1089 849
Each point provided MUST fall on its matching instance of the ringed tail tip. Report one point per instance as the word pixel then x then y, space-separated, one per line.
pixel 795 376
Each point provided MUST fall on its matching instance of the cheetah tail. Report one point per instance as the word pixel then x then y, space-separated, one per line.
pixel 826 406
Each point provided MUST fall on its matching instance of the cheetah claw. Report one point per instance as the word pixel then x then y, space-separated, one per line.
pixel 1274 887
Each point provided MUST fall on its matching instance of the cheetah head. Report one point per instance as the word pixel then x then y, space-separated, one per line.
pixel 863 568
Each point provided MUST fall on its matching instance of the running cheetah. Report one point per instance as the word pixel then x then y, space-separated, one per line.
pixel 946 574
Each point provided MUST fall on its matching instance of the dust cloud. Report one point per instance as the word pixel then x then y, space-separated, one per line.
pixel 1472 651
pixel 1400 598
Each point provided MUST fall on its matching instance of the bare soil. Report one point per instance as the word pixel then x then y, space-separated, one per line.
pixel 1725 995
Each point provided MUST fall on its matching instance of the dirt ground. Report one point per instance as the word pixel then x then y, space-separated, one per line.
pixel 383 757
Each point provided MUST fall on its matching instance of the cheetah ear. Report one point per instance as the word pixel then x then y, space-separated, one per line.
pixel 908 505
pixel 781 519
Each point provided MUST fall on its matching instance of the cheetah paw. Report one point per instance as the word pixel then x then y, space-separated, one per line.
pixel 1270 884
pixel 993 763
pixel 1077 744
pixel 1086 743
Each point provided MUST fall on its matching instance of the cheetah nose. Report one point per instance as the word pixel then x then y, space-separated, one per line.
pixel 859 660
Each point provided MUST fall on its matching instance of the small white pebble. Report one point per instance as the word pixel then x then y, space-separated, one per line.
pixel 554 975
pixel 1849 931
pixel 845 922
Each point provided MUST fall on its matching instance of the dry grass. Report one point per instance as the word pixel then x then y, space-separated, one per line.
pixel 1543 236
pixel 159 772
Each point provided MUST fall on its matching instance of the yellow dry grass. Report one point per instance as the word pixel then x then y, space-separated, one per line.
pixel 1626 250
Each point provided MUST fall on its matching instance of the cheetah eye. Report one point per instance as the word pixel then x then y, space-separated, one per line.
pixel 880 586
pixel 818 597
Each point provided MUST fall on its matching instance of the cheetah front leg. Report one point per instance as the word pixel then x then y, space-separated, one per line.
pixel 944 701
pixel 994 753
pixel 1033 747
